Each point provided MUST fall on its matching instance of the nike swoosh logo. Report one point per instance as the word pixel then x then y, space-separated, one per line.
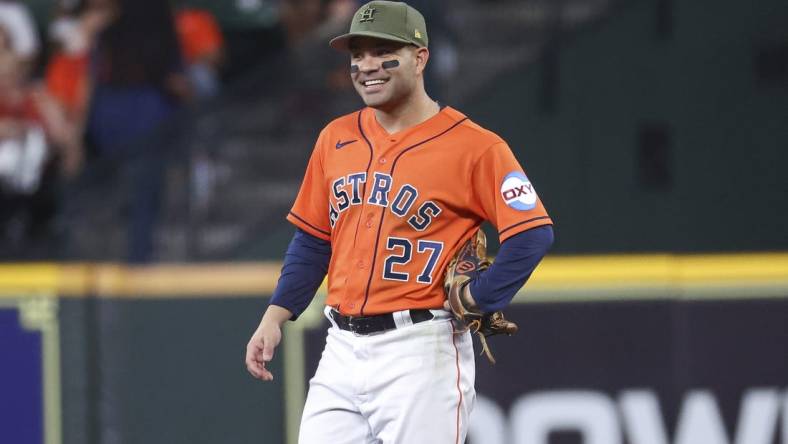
pixel 341 144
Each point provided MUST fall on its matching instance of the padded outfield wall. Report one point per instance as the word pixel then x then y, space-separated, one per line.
pixel 613 349
pixel 661 128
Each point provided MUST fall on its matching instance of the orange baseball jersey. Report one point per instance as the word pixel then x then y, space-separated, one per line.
pixel 396 207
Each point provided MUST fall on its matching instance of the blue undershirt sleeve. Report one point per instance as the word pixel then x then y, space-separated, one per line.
pixel 305 266
pixel 517 258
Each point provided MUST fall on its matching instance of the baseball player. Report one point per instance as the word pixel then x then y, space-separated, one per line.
pixel 390 193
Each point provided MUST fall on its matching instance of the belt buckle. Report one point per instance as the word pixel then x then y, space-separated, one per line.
pixel 359 325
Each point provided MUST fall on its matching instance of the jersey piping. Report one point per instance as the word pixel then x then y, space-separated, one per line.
pixel 310 225
pixel 459 378
pixel 522 223
pixel 383 210
pixel 369 164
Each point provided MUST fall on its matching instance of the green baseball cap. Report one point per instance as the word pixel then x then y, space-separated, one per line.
pixel 394 21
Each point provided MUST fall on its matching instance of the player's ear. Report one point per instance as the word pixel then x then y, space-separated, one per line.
pixel 422 56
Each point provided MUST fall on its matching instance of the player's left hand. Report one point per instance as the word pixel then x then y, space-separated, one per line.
pixel 465 298
pixel 468 262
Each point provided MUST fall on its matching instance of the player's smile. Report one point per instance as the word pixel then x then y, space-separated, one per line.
pixel 373 85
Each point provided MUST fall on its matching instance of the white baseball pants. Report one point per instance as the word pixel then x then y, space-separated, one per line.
pixel 410 385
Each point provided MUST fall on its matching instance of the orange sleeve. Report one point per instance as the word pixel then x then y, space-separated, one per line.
pixel 310 210
pixel 504 194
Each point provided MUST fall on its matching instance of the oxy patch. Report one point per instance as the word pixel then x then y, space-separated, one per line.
pixel 517 191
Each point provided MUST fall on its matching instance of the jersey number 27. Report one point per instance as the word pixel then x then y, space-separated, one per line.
pixel 403 253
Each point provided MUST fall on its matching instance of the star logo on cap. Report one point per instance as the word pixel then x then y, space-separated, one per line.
pixel 367 15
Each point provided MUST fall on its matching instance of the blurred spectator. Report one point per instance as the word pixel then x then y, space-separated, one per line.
pixel 137 77
pixel 37 145
pixel 202 46
pixel 300 18
pixel 18 23
pixel 137 83
pixel 72 35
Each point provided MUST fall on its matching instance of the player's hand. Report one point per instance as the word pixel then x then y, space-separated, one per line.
pixel 260 351
pixel 261 347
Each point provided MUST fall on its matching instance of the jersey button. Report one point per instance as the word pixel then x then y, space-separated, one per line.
pixel 360 264
pixel 382 160
pixel 369 223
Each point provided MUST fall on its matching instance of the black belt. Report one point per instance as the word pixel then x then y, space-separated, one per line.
pixel 367 325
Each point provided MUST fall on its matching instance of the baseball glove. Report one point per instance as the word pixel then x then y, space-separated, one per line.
pixel 469 261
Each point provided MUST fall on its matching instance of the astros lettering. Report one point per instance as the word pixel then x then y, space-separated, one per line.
pixel 347 193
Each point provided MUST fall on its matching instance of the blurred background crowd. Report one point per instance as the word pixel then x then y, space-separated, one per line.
pixel 150 130
pixel 95 89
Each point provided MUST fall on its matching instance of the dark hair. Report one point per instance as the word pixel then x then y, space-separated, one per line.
pixel 140 46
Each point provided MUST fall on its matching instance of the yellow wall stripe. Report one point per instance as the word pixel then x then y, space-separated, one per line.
pixel 661 269
pixel 568 274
